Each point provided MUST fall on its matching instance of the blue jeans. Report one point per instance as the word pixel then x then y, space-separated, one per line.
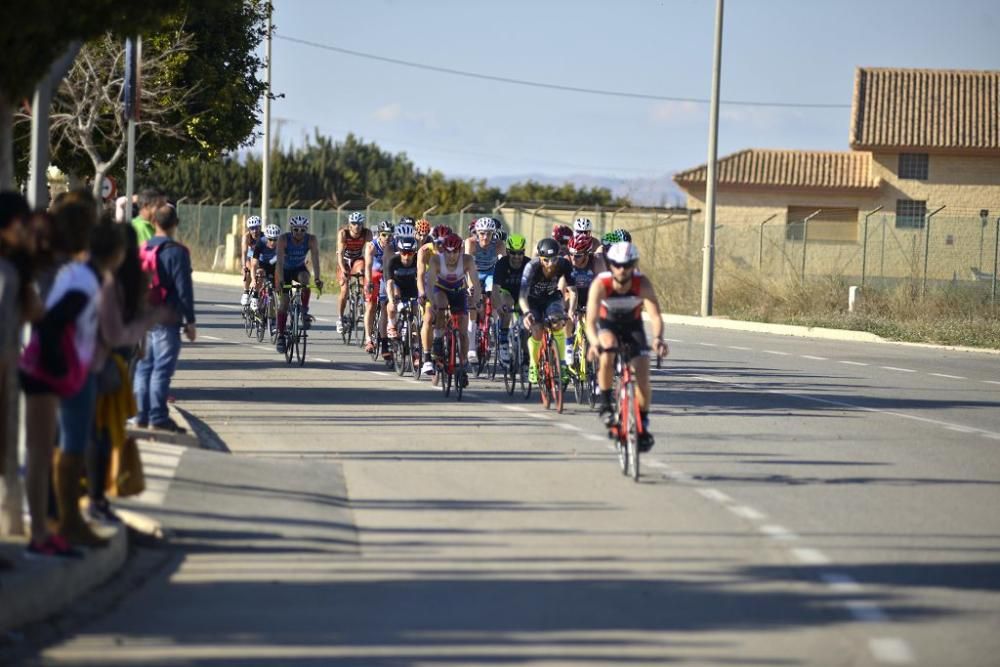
pixel 153 373
pixel 76 418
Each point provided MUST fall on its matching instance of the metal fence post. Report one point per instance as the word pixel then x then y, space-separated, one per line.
pixel 288 209
pixel 368 209
pixel 533 214
pixel 218 228
pixel 996 259
pixel 760 249
pixel 805 240
pixel 864 243
pixel 927 247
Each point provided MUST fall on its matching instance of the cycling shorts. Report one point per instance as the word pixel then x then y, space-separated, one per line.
pixel 377 291
pixel 630 330
pixel 543 309
pixel 291 275
pixel 357 268
pixel 486 281
pixel 458 299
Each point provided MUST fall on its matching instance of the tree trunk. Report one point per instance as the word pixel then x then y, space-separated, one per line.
pixel 96 185
pixel 6 144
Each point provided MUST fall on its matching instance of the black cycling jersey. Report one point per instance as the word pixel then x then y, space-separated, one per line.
pixel 507 277
pixel 537 286
pixel 405 277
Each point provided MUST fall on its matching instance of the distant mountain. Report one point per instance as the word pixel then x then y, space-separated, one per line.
pixel 659 191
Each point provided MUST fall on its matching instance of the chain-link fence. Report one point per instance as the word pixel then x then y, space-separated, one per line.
pixel 927 251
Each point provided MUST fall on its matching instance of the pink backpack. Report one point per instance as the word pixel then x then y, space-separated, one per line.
pixel 149 259
pixel 65 385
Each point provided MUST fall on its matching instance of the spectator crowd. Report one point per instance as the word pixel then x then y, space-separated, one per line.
pixel 92 307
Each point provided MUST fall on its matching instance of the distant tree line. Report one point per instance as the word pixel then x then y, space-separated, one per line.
pixel 351 170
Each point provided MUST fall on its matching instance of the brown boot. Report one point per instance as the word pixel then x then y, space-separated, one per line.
pixel 68 469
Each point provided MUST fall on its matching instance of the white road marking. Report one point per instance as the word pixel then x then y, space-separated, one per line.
pixel 380 373
pixel 657 464
pixel 783 354
pixel 896 368
pixel 716 495
pixel 567 427
pixel 538 415
pixel 708 344
pixel 891 650
pixel 814 358
pixel 991 436
pixel 673 340
pixel 323 319
pixel 950 377
pixel 853 363
pixel 810 556
pixel 991 382
pixel 778 532
pixel 411 381
pixel 594 437
pixel 261 347
pixel 515 408
pixel 960 429
pixel 679 476
pixel 841 583
pixel 747 513
pixel 866 611
pixel 738 347
pixel 325 361
pixel 207 337
pixel 227 305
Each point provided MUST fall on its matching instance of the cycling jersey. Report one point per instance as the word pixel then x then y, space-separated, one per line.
pixel 581 278
pixel 509 278
pixel 295 253
pixel 251 242
pixel 450 280
pixel 405 277
pixel 354 246
pixel 266 256
pixel 485 257
pixel 616 307
pixel 537 286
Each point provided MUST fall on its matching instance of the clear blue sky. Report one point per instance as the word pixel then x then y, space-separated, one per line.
pixel 797 51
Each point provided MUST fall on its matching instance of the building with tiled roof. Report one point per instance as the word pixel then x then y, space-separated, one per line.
pixel 920 139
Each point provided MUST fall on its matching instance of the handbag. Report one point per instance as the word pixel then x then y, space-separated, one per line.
pixel 72 380
pixel 126 478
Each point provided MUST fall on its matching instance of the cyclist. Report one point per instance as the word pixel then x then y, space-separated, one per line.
pixel 375 256
pixel 451 274
pixel 613 237
pixel 292 248
pixel 586 265
pixel 248 244
pixel 425 255
pixel 485 249
pixel 543 284
pixel 350 253
pixel 562 234
pixel 507 280
pixel 264 259
pixel 401 277
pixel 423 228
pixel 614 312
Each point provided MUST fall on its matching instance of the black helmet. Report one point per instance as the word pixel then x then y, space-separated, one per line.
pixel 548 248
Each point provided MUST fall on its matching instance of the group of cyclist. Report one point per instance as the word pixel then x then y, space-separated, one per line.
pixel 572 279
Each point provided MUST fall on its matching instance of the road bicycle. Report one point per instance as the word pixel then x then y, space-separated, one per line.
pixel 626 427
pixel 516 370
pixel 487 336
pixel 376 352
pixel 354 313
pixel 583 371
pixel 451 367
pixel 407 351
pixel 265 316
pixel 248 319
pixel 550 383
pixel 297 332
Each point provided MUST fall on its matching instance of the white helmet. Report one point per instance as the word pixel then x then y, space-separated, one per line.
pixel 253 222
pixel 485 224
pixel 623 252
pixel 272 231
pixel 582 225
pixel 405 229
pixel 356 218
pixel 298 221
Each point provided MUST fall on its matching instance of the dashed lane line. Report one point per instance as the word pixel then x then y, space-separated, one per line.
pixel 593 437
pixel 853 363
pixel 747 513
pixel 778 352
pixel 950 377
pixel 777 532
pixel 321 359
pixel 207 337
pixel 866 611
pixel 898 369
pixel 566 426
pixel 739 347
pixel 716 495
pixel 815 358
pixel 891 650
pixel 991 382
pixel 810 556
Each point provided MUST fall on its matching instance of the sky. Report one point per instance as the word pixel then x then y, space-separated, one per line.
pixel 797 52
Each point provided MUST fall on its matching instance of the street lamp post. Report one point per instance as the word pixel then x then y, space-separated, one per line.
pixel 265 188
pixel 708 253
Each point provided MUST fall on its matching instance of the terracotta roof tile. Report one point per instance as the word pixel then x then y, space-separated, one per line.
pixel 926 109
pixel 789 169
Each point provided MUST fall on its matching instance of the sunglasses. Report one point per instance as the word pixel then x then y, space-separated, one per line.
pixel 513 253
pixel 453 251
pixel 384 235
pixel 548 260
pixel 626 265
pixel 298 230
pixel 407 253
pixel 579 256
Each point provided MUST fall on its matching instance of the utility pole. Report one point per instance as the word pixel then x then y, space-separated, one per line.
pixel 133 60
pixel 708 256
pixel 265 188
pixel 38 194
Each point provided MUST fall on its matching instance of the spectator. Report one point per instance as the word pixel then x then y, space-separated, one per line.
pixel 14 214
pixel 123 322
pixel 149 201
pixel 72 301
pixel 171 264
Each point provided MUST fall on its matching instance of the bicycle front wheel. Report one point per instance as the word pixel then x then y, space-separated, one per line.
pixel 301 340
pixel 633 431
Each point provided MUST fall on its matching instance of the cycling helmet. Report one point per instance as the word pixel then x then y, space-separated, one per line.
pixel 582 225
pixel 548 248
pixel 623 235
pixel 272 231
pixel 562 234
pixel 441 232
pixel 623 252
pixel 581 244
pixel 298 221
pixel 385 227
pixel 422 227
pixel 516 243
pixel 485 225
pixel 609 238
pixel 406 243
pixel 356 218
pixel 253 222
pixel 405 229
pixel 453 242
pixel 500 235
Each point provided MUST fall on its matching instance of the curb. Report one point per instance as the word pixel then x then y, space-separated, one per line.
pixel 223 279
pixel 37 589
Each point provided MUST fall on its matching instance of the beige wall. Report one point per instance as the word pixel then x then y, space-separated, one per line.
pixel 965 184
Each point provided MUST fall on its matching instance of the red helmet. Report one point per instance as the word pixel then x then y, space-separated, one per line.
pixel 581 244
pixel 453 242
pixel 562 233
pixel 440 232
pixel 423 227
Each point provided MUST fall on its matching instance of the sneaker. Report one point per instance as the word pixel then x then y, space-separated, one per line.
pixel 568 358
pixel 281 345
pixel 473 357
pixel 254 303
pixel 52 546
pixel 134 422
pixel 341 326
pixel 427 368
pixel 391 332
pixel 504 354
pixel 533 374
pixel 100 511
pixel 170 426
pixel 464 375
pixel 646 441
pixel 607 414
pixel 244 299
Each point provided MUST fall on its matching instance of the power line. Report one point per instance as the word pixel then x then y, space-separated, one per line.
pixel 554 86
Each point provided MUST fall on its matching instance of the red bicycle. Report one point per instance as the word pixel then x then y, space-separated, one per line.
pixel 550 384
pixel 486 338
pixel 627 425
pixel 450 367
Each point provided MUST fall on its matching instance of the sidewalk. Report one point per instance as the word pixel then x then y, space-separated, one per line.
pixel 37 589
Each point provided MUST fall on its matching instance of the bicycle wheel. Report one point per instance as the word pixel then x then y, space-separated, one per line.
pixel 399 352
pixel 632 432
pixel 620 428
pixel 494 345
pixel 301 340
pixel 544 371
pixel 416 347
pixel 290 334
pixel 555 372
pixel 592 388
pixel 347 329
pixel 444 376
pixel 248 323
pixel 522 372
pixel 260 318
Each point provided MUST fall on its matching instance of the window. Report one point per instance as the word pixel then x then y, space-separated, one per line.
pixel 913 165
pixel 910 213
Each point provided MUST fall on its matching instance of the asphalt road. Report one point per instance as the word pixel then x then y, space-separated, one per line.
pixel 808 503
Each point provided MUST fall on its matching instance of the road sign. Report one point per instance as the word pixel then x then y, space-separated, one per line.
pixel 108 188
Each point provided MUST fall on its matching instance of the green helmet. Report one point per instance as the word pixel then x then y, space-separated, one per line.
pixel 609 238
pixel 516 243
